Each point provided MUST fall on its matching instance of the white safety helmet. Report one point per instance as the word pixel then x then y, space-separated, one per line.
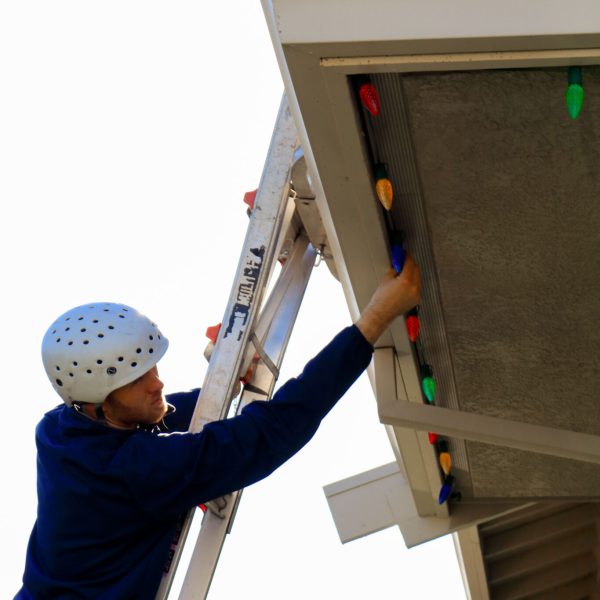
pixel 93 349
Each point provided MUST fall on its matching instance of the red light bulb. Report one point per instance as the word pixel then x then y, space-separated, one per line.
pixel 369 98
pixel 413 326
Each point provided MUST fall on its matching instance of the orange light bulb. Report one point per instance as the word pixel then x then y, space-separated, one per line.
pixel 445 462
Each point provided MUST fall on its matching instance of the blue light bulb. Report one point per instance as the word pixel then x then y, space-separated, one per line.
pixel 446 489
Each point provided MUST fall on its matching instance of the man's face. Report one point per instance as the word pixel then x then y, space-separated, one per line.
pixel 138 402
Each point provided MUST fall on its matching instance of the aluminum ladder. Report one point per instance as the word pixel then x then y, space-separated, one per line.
pixel 248 340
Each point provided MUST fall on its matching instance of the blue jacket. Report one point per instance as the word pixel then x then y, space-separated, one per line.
pixel 109 500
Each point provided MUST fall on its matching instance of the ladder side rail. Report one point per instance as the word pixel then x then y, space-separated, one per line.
pixel 270 208
pixel 233 342
pixel 251 278
pixel 269 306
pixel 287 294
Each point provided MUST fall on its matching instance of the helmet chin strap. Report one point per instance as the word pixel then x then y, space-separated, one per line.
pixel 100 415
pixel 82 408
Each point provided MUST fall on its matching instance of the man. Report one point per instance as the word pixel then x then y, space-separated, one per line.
pixel 113 473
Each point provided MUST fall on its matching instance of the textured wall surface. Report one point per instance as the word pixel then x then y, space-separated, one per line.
pixel 510 188
pixel 506 472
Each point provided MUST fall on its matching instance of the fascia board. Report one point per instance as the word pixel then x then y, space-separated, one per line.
pixel 330 138
pixel 352 21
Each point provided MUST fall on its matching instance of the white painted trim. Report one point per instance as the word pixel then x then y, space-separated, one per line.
pixel 362 504
pixel 380 498
pixel 350 21
pixel 470 559
pixel 290 93
pixel 491 430
pixel 418 455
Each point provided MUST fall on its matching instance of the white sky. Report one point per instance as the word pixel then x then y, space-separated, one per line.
pixel 129 132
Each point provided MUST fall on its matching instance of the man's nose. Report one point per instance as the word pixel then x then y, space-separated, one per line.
pixel 157 384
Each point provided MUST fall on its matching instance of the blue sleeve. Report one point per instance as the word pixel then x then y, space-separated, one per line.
pixel 184 403
pixel 172 472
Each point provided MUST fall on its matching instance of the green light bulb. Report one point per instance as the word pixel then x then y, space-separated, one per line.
pixel 574 94
pixel 428 385
pixel 574 100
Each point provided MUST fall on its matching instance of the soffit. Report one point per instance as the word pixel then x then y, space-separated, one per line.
pixel 498 192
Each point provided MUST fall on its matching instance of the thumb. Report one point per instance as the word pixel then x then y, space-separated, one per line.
pixel 389 274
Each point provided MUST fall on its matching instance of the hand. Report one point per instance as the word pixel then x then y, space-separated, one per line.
pixel 218 505
pixel 395 295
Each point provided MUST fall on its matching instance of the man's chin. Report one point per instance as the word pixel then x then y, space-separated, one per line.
pixel 158 412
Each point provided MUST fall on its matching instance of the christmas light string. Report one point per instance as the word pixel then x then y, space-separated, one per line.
pixel 369 99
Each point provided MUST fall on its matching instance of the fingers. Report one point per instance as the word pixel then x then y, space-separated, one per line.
pixel 411 270
pixel 410 279
pixel 218 505
pixel 409 266
pixel 409 273
pixel 390 274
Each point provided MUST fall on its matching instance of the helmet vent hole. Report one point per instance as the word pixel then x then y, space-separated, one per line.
pixel 100 335
pixel 57 340
pixel 59 382
pixel 80 319
pixel 121 316
pixel 71 375
pixel 159 337
pixel 99 361
pixel 57 368
pixel 134 364
pixel 83 329
pixel 67 328
pixel 120 359
pixel 86 341
pixel 125 309
pixel 111 370
pixel 53 331
pixel 70 343
pixel 106 310
pixel 88 371
pixel 138 350
pixel 111 326
pixel 151 337
pixel 151 350
pixel 68 319
pixel 95 321
pixel 75 363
